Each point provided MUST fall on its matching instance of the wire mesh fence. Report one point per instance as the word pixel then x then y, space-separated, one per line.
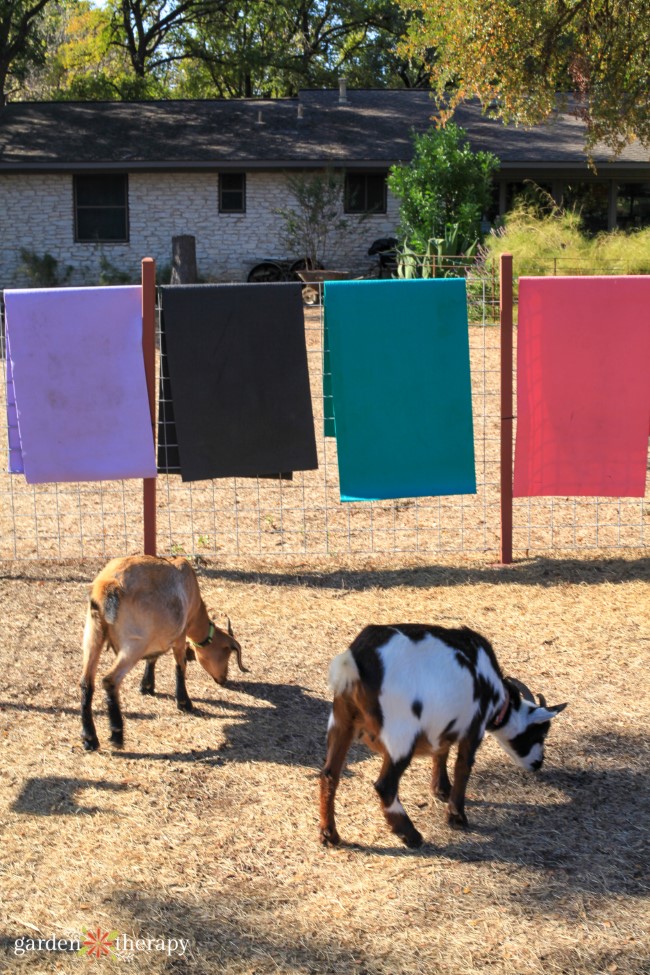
pixel 304 516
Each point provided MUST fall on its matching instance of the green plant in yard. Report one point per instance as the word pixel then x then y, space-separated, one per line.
pixel 446 185
pixel 314 218
pixel 110 274
pixel 43 270
pixel 553 243
pixel 440 260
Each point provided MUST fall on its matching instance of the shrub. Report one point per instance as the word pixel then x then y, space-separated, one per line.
pixel 43 270
pixel 315 216
pixel 109 274
pixel 552 243
pixel 445 184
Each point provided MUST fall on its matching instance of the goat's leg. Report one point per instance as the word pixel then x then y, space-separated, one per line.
pixel 387 786
pixel 88 730
pixel 440 784
pixel 111 683
pixel 183 702
pixel 148 682
pixel 93 641
pixel 339 738
pixel 464 761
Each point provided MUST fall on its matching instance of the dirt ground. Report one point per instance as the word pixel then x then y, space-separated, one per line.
pixel 204 828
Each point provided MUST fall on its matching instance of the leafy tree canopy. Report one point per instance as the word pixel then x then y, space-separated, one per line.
pixel 516 55
pixel 21 41
pixel 211 48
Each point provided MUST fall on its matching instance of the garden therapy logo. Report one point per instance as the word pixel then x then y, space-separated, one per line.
pixel 98 944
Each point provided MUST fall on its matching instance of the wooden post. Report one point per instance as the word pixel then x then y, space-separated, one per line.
pixel 149 352
pixel 184 260
pixel 506 319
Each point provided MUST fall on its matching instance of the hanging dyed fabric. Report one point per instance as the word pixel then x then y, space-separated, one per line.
pixel 583 386
pixel 399 356
pixel 77 370
pixel 237 380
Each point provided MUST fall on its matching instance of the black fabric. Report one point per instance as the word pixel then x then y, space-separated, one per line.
pixel 168 459
pixel 238 380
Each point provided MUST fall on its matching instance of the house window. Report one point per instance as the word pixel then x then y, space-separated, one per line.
pixel 633 205
pixel 365 193
pixel 533 193
pixel 232 193
pixel 589 198
pixel 101 207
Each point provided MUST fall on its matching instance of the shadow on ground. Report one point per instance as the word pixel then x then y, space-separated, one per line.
pixel 530 572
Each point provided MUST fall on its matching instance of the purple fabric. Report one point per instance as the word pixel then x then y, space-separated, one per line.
pixel 15 453
pixel 78 377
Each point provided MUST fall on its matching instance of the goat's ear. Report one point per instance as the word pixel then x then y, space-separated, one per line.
pixel 540 715
pixel 557 707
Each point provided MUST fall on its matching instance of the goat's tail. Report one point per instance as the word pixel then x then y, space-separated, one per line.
pixel 344 673
pixel 110 600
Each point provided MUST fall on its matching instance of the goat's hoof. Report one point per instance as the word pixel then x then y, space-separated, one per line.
pixel 442 794
pixel 413 839
pixel 457 820
pixel 147 689
pixel 90 744
pixel 185 705
pixel 329 836
pixel 117 739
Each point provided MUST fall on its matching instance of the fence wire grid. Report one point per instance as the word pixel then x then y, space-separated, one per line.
pixel 304 516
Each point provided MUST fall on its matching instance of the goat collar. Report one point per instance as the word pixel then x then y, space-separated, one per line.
pixel 498 719
pixel 208 638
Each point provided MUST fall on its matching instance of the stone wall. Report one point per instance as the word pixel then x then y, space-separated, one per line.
pixel 36 213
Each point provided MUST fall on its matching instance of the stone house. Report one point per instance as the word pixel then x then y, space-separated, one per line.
pixel 107 183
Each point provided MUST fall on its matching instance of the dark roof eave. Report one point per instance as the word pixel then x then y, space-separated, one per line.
pixel 187 166
pixel 505 166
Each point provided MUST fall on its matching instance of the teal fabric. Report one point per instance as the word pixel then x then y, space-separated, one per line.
pixel 401 390
pixel 329 428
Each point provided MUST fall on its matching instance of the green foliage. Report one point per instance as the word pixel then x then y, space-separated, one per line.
pixel 554 244
pixel 142 49
pixel 516 57
pixel 314 217
pixel 43 270
pixel 22 43
pixel 110 274
pixel 260 48
pixel 445 185
pixel 441 258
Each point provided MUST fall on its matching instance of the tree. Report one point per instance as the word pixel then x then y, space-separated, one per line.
pixel 80 61
pixel 446 185
pixel 148 30
pixel 21 44
pixel 270 49
pixel 314 217
pixel 517 56
pixel 131 49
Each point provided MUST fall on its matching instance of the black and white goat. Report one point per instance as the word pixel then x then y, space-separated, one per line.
pixel 413 689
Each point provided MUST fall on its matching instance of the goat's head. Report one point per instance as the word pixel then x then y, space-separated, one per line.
pixel 524 732
pixel 214 653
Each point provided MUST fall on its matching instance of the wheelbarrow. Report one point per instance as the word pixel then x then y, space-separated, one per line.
pixel 312 292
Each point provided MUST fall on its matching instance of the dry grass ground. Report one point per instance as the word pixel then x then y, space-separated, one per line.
pixel 205 827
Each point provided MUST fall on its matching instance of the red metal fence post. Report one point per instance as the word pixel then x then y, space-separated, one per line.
pixel 149 352
pixel 506 320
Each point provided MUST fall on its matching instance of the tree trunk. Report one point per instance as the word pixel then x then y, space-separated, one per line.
pixel 184 260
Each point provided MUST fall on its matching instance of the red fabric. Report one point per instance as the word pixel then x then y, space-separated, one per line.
pixel 583 386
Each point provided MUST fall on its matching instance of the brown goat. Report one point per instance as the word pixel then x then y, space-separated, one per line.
pixel 142 606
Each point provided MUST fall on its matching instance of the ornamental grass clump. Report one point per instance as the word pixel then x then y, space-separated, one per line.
pixel 553 243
